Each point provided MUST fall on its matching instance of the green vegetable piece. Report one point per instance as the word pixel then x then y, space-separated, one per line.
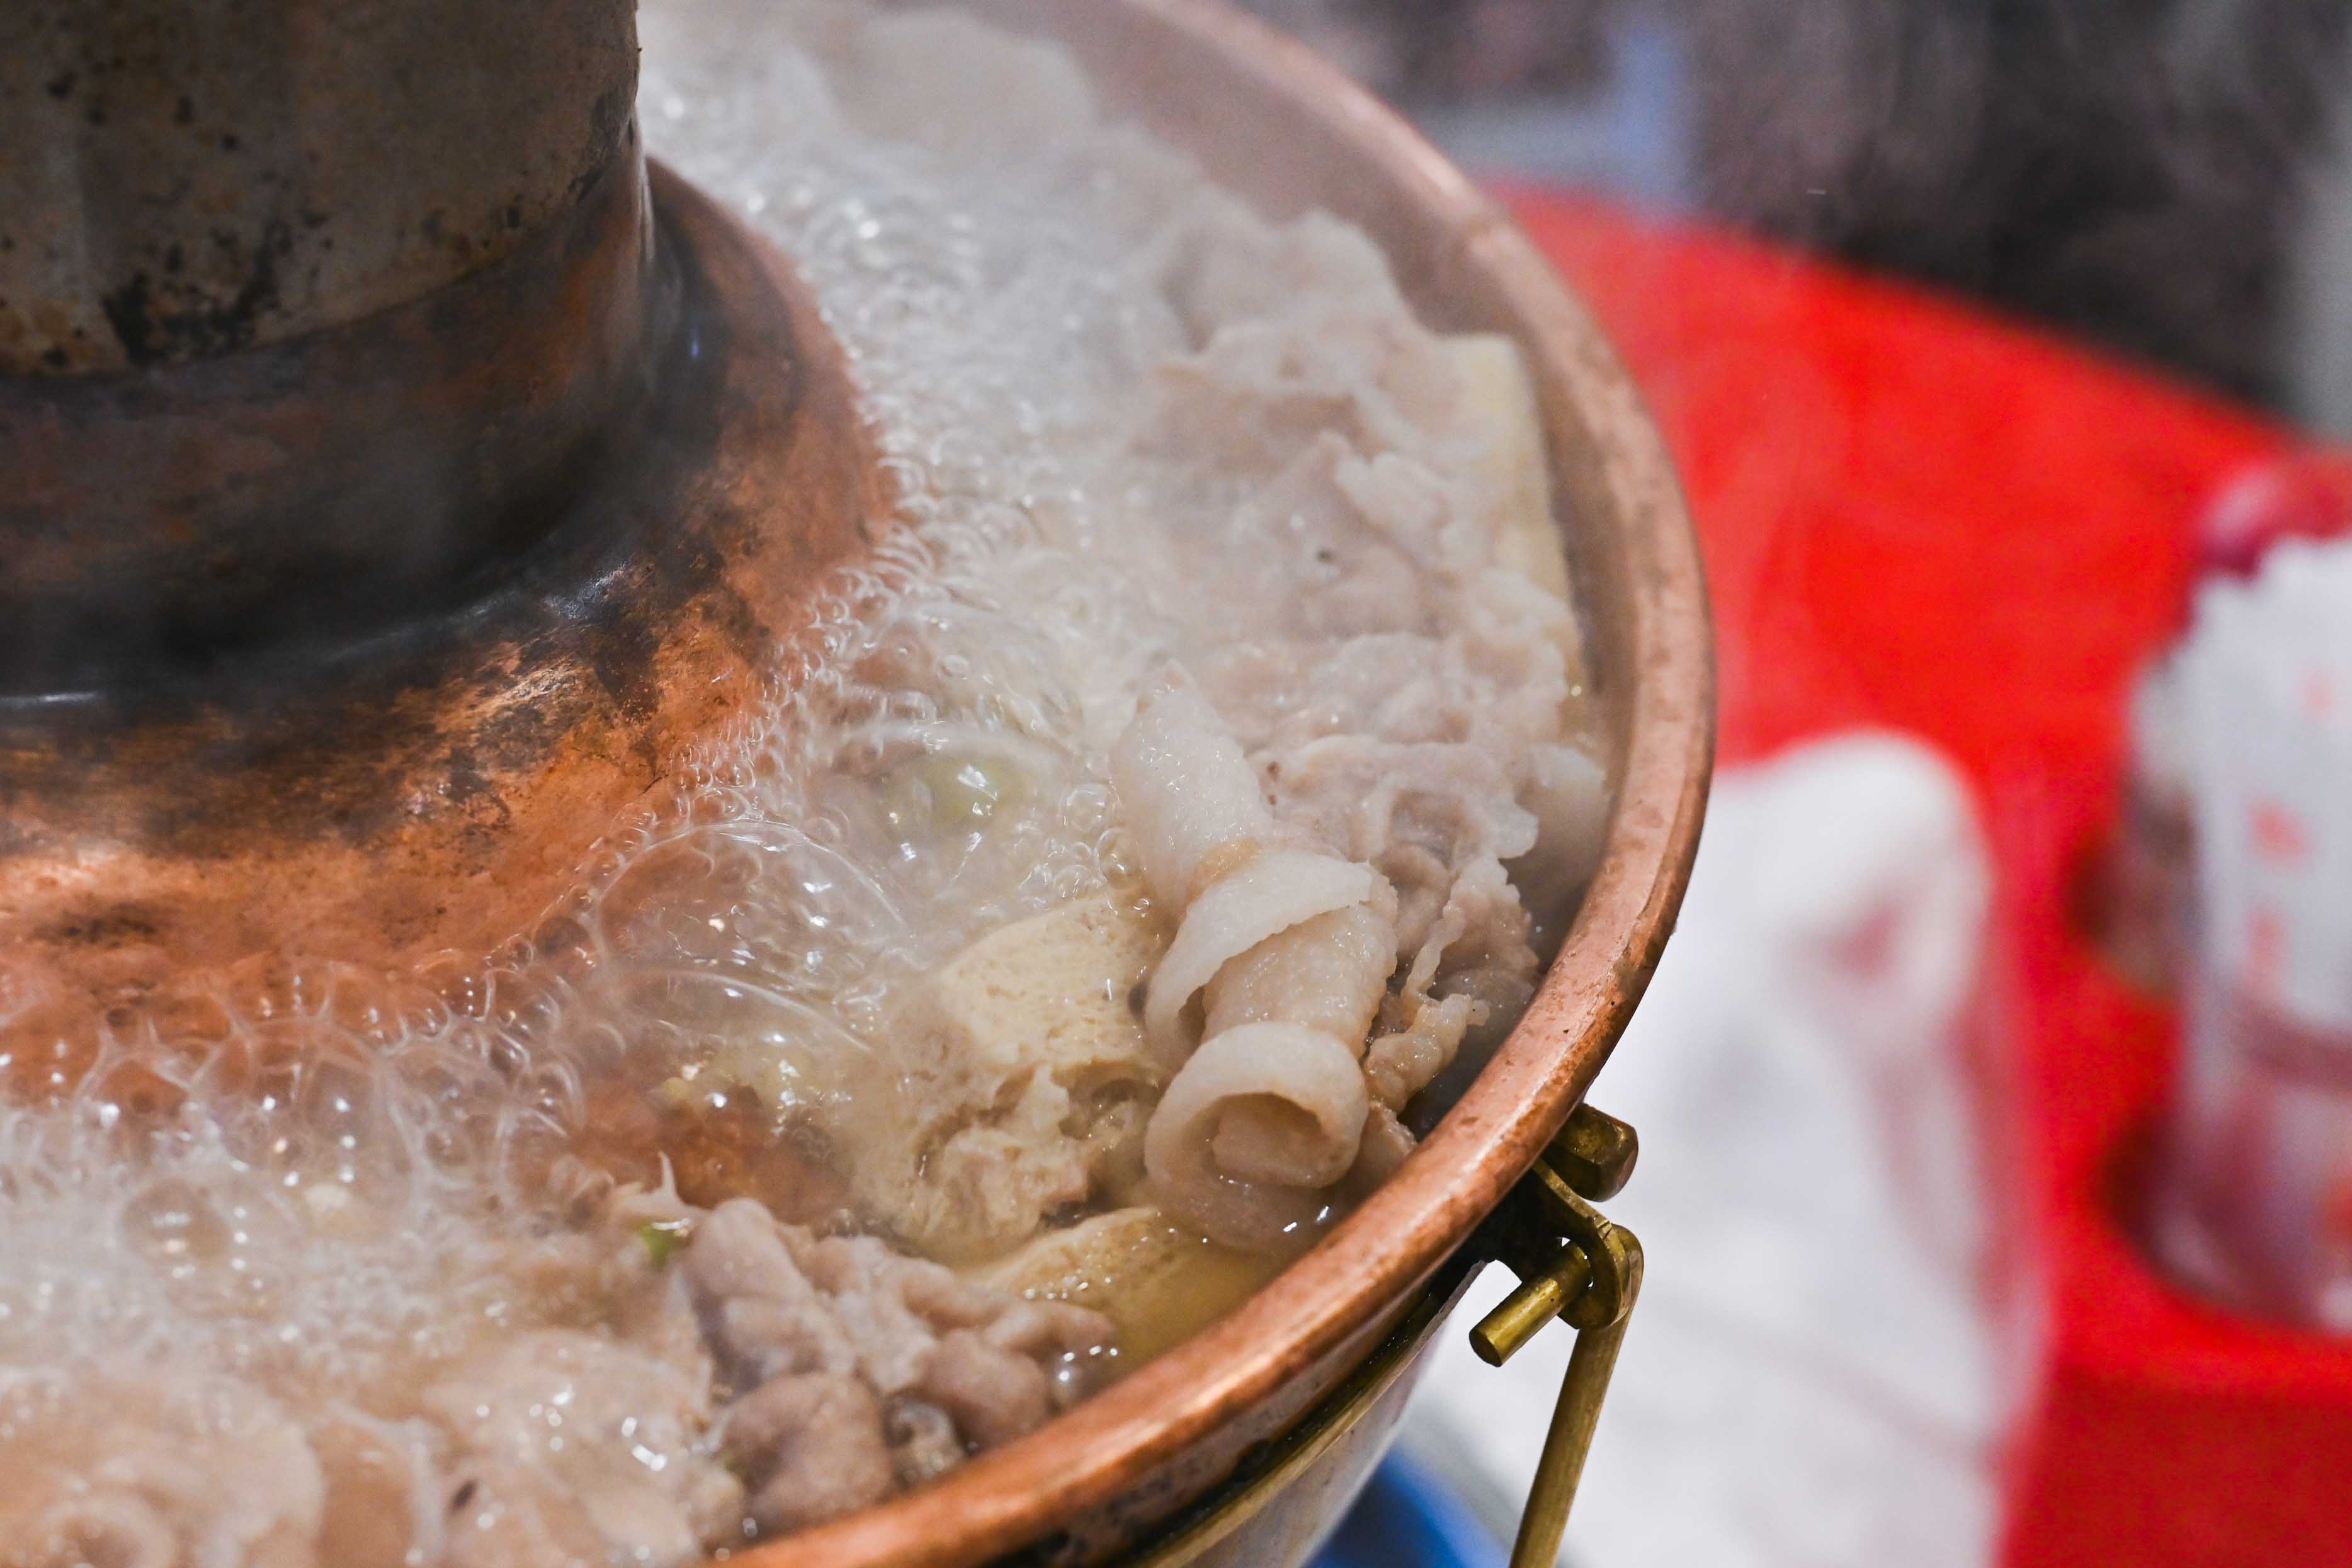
pixel 661 1238
pixel 946 794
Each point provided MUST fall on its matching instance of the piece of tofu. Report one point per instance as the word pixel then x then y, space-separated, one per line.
pixel 1504 400
pixel 1017 1066
pixel 1052 992
pixel 1502 397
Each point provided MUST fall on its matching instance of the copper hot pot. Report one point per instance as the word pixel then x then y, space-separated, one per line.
pixel 256 697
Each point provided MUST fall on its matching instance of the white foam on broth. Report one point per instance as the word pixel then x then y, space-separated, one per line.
pixel 335 1204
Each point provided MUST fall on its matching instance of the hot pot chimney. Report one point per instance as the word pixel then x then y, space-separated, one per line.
pixel 400 482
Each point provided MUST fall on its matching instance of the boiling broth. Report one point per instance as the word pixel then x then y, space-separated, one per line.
pixel 827 1130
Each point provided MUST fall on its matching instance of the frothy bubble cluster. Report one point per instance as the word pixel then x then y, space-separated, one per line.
pixel 310 1176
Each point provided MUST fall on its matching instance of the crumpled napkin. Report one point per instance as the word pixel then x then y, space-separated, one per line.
pixel 1810 1380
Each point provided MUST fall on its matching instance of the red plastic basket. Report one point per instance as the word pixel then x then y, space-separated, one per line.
pixel 1916 515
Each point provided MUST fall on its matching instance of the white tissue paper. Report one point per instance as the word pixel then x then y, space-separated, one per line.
pixel 1809 1378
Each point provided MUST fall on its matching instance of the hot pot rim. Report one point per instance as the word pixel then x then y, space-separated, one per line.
pixel 1471 267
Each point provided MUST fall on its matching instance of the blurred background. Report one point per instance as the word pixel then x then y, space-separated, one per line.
pixel 2169 178
pixel 1996 343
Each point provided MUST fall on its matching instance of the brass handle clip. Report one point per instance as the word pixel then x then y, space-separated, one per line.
pixel 1576 1266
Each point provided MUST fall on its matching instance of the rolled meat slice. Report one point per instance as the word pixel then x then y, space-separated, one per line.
pixel 1261 1118
pixel 1331 973
pixel 1263 898
pixel 1191 799
pixel 1290 951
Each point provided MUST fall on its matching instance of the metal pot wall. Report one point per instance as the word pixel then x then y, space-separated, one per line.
pixel 1146 1472
pixel 452 482
pixel 370 786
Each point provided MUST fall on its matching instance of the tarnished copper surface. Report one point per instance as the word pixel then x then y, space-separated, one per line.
pixel 394 488
pixel 432 784
pixel 1262 114
pixel 335 486
pixel 186 178
pixel 374 794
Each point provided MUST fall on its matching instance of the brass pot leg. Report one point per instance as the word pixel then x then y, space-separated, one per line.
pixel 1574 1265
